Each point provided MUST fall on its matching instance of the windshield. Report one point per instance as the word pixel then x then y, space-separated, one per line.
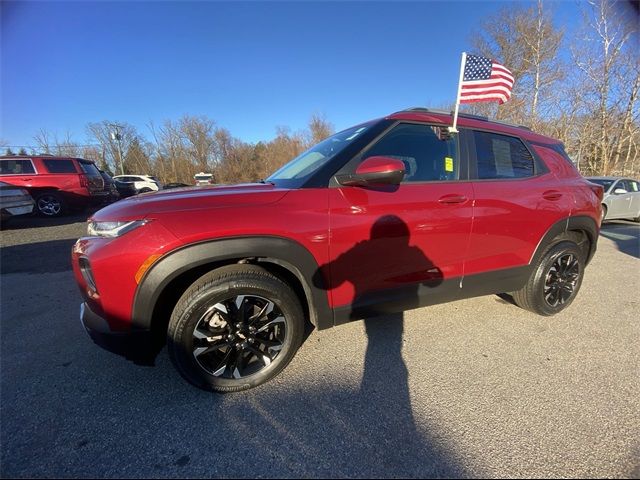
pixel 309 162
pixel 606 184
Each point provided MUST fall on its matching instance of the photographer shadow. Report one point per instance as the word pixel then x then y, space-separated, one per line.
pixel 383 402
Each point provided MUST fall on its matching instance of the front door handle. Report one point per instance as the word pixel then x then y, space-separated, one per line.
pixel 452 199
pixel 552 195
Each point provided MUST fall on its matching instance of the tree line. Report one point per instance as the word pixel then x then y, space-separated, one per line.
pixel 582 90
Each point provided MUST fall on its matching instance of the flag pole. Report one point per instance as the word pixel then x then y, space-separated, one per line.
pixel 455 115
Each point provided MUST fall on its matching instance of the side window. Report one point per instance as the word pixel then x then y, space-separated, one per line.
pixel 16 167
pixel 622 184
pixel 89 168
pixel 501 156
pixel 428 152
pixel 60 166
pixel 633 186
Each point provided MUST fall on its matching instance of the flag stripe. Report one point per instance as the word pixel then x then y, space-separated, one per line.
pixel 484 84
pixel 500 100
pixel 486 92
pixel 483 98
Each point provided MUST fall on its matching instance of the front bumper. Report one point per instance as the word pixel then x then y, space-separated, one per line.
pixel 135 345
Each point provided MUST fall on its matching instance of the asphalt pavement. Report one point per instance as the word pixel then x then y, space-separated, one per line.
pixel 474 388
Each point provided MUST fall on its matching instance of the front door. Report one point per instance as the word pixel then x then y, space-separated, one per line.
pixel 620 204
pixel 400 247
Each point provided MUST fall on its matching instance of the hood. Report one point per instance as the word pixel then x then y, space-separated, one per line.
pixel 190 198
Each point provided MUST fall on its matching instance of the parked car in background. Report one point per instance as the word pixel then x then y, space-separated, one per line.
pixel 203 178
pixel 621 198
pixel 110 189
pixel 141 183
pixel 125 189
pixel 386 216
pixel 14 201
pixel 56 184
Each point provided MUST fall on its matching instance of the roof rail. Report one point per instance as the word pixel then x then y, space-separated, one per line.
pixel 466 115
pixel 444 112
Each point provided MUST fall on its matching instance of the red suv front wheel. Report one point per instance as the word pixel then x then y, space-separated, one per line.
pixel 235 328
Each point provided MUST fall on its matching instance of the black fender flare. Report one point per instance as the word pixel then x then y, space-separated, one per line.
pixel 579 222
pixel 284 252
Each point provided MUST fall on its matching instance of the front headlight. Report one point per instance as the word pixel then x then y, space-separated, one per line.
pixel 112 229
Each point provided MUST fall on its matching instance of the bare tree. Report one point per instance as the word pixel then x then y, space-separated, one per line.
pixel 112 148
pixel 319 129
pixel 43 141
pixel 526 41
pixel 199 140
pixel 607 56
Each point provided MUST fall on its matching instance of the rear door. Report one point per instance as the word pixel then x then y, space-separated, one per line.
pixel 516 201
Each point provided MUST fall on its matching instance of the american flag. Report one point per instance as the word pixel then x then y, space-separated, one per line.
pixel 485 80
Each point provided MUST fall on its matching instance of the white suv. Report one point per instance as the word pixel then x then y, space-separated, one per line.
pixel 142 183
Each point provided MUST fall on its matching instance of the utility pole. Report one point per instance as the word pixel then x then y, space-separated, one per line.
pixel 115 135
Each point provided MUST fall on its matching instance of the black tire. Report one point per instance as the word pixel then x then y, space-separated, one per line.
pixel 550 289
pixel 207 318
pixel 50 204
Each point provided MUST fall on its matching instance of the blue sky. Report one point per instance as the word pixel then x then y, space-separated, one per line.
pixel 251 66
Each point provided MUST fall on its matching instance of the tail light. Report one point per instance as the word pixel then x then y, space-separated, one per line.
pixel 84 182
pixel 597 189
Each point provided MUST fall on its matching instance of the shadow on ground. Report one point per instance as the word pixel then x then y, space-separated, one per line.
pixel 149 422
pixel 24 222
pixel 41 257
pixel 626 236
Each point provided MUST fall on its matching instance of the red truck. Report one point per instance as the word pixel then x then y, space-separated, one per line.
pixel 57 184
pixel 393 214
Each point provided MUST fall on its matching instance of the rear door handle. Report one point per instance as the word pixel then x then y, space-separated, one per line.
pixel 452 199
pixel 552 195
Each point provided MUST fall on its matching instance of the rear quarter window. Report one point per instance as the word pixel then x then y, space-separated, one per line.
pixel 500 156
pixel 60 166
pixel 16 167
pixel 89 168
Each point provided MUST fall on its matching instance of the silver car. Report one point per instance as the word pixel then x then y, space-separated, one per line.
pixel 14 201
pixel 621 198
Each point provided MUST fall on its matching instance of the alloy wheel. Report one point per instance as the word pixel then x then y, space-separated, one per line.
pixel 49 205
pixel 239 336
pixel 561 279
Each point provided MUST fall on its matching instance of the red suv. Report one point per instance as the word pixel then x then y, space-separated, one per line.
pixel 390 215
pixel 55 183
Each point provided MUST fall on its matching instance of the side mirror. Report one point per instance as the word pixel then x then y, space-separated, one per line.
pixel 375 171
pixel 619 191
